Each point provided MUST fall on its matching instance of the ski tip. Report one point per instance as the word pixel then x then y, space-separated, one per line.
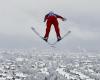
pixel 32 28
pixel 69 31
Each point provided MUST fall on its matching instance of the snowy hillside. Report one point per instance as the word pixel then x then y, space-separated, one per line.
pixel 20 64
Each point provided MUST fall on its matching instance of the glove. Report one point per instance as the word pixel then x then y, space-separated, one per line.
pixel 64 19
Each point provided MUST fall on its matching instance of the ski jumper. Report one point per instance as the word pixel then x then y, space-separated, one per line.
pixel 52 20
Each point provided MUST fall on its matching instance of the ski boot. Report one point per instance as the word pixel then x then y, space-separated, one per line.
pixel 46 39
pixel 58 38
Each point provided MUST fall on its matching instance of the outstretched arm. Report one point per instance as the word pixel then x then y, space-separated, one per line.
pixel 63 19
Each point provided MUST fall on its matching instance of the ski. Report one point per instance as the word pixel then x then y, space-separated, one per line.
pixel 62 38
pixel 36 32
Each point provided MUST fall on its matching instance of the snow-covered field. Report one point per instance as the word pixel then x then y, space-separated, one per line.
pixel 33 64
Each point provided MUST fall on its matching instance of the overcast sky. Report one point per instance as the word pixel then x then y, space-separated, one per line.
pixel 17 16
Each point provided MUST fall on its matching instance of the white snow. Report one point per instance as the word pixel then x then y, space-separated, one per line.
pixel 44 71
pixel 38 65
pixel 19 59
pixel 21 75
pixel 82 76
pixel 2 78
pixel 60 71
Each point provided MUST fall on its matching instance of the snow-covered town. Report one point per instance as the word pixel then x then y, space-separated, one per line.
pixel 20 64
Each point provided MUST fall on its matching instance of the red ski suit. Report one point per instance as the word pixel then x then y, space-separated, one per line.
pixel 52 19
